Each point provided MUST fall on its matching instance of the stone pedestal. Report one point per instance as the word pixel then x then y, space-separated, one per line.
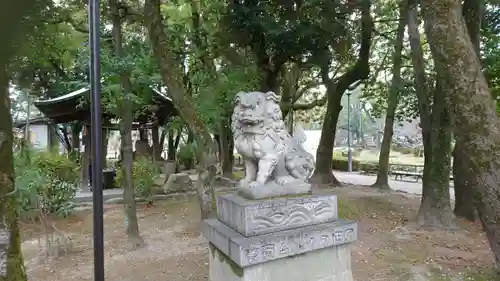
pixel 291 239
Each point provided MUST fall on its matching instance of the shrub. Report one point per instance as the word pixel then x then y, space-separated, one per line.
pixel 187 155
pixel 338 154
pixel 368 167
pixel 46 182
pixel 341 164
pixel 405 150
pixel 144 173
pixel 356 152
pixel 57 166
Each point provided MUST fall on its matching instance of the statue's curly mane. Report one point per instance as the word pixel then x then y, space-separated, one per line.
pixel 271 115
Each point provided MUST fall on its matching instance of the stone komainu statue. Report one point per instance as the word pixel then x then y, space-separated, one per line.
pixel 270 154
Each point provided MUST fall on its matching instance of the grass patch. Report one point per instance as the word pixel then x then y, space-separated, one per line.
pixel 438 275
pixel 238 175
pixel 355 209
pixel 401 272
pixel 378 204
pixel 482 275
pixel 348 209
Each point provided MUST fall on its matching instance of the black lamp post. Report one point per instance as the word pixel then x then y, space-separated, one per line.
pixel 96 146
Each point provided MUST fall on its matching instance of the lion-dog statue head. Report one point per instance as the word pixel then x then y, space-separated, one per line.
pixel 256 112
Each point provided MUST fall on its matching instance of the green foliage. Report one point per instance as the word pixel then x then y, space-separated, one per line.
pixel 56 165
pixel 341 164
pixel 283 32
pixel 144 173
pixel 46 182
pixel 187 155
pixel 490 39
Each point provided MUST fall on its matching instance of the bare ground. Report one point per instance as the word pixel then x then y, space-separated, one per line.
pixel 390 246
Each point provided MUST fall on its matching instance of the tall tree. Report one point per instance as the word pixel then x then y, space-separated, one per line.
pixel 336 88
pixel 132 226
pixel 464 181
pixel 475 119
pixel 11 260
pixel 392 102
pixel 15 22
pixel 172 75
pixel 435 208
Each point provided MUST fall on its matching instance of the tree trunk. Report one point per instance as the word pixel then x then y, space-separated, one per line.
pixel 190 138
pixel 131 226
pixel 382 181
pixel 171 149
pixel 143 135
pixel 323 173
pixel 269 78
pixel 435 209
pixel 463 183
pixel 105 141
pixel 85 161
pixel 172 78
pixel 473 12
pixel 65 136
pixel 474 116
pixel 76 129
pixel 226 148
pixel 11 258
pixel 162 138
pixel 12 26
pixel 290 123
pixel 463 180
pixel 156 142
pixel 54 140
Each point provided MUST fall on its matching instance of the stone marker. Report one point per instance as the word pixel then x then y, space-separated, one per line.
pixel 176 183
pixel 169 167
pixel 259 236
pixel 256 217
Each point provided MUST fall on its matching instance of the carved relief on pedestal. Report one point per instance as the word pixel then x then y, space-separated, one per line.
pixel 286 245
pixel 300 213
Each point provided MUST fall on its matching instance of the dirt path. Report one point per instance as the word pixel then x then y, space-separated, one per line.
pixel 408 185
pixel 390 246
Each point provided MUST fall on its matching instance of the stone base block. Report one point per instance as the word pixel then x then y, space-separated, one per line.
pixel 250 251
pixel 327 264
pixel 273 189
pixel 257 217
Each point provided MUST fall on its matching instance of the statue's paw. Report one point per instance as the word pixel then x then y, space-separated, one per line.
pixel 243 183
pixel 254 184
pixel 281 181
pixel 285 180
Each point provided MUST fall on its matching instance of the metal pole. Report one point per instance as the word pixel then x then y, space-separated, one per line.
pixel 96 141
pixel 349 152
